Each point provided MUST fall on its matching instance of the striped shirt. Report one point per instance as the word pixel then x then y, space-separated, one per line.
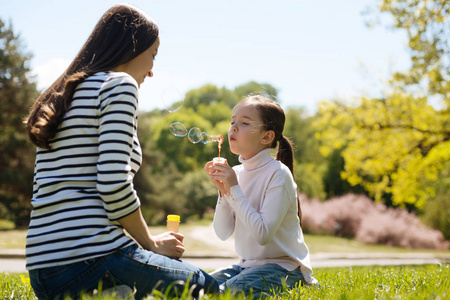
pixel 84 183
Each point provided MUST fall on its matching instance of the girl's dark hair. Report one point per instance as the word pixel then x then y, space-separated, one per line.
pixel 273 118
pixel 122 33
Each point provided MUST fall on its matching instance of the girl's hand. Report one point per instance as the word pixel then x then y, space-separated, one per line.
pixel 218 184
pixel 222 175
pixel 169 244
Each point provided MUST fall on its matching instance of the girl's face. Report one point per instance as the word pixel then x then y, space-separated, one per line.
pixel 246 135
pixel 141 66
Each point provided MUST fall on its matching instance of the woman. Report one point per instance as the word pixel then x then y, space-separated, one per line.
pixel 85 127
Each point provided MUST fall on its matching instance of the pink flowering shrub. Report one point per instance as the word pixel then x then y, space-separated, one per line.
pixel 358 217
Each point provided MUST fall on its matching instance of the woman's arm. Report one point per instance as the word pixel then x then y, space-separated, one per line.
pixel 117 129
pixel 168 243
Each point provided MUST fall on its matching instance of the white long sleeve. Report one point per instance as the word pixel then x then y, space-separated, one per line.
pixel 223 219
pixel 263 224
pixel 262 212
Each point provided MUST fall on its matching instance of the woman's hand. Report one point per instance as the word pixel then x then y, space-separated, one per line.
pixel 222 176
pixel 169 244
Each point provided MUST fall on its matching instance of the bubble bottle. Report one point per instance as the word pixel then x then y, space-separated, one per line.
pixel 173 223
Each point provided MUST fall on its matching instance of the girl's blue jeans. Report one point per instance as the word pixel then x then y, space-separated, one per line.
pixel 264 279
pixel 132 266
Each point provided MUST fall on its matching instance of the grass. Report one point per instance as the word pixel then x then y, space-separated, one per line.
pixel 376 282
pixel 15 286
pixel 334 244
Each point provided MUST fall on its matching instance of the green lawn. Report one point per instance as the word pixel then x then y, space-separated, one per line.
pixel 332 244
pixel 376 282
pixel 400 282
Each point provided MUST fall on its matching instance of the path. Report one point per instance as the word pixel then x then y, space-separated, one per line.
pixel 319 260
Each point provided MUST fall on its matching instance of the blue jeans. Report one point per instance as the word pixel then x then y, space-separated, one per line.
pixel 131 266
pixel 262 279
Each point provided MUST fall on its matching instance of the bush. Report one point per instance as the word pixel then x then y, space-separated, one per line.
pixel 357 216
pixel 6 225
pixel 337 216
pixel 311 181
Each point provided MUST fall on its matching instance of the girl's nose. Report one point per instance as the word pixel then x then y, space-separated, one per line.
pixel 150 74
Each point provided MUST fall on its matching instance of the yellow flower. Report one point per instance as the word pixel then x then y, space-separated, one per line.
pixel 25 280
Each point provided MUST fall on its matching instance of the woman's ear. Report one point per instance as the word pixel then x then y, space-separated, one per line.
pixel 268 137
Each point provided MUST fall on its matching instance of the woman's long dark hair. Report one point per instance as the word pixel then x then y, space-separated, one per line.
pixel 273 119
pixel 122 33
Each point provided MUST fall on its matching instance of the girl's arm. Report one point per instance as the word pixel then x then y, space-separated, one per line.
pixel 262 224
pixel 224 220
pixel 168 244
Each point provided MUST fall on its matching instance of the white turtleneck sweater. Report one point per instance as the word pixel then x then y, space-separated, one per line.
pixel 262 213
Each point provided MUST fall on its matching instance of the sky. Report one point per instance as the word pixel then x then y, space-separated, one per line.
pixel 308 50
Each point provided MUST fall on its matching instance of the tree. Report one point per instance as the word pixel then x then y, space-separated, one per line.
pixel 396 146
pixel 427 24
pixel 310 164
pixel 198 191
pixel 209 94
pixel 415 134
pixel 17 92
pixel 168 178
pixel 437 210
pixel 332 124
pixel 253 87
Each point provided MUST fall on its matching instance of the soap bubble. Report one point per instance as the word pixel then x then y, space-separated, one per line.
pixel 172 99
pixel 207 138
pixel 178 129
pixel 194 135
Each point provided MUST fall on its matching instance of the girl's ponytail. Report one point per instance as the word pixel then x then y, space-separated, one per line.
pixel 285 154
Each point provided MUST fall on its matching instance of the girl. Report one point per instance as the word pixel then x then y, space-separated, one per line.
pixel 258 202
pixel 85 127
